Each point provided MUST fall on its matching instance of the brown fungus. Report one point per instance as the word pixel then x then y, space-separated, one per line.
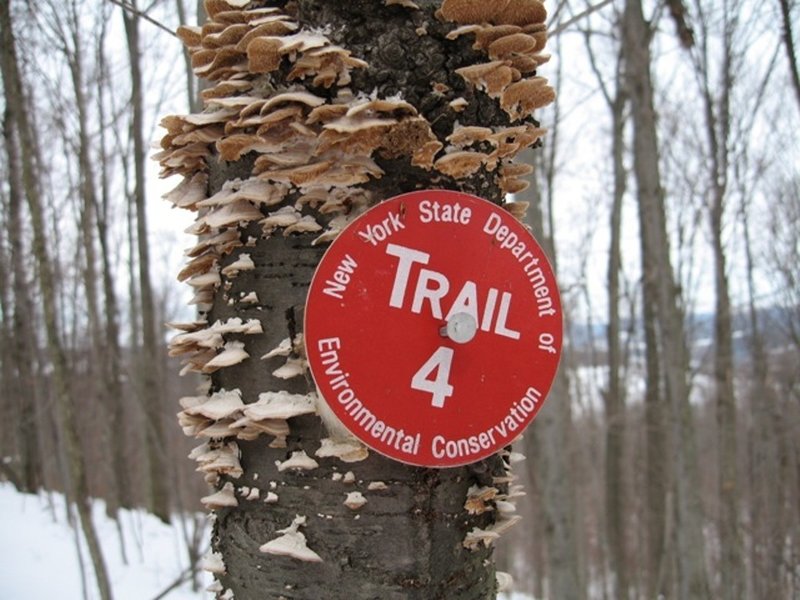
pixel 511 45
pixel 471 11
pixel 521 12
pixel 520 99
pixel 460 164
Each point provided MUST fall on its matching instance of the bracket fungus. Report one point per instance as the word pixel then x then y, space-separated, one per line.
pixel 232 354
pixel 349 450
pixel 281 405
pixel 213 563
pixel 479 499
pixel 478 536
pixel 224 498
pixel 505 582
pixel 243 263
pixel 298 461
pixel 294 367
pixel 355 500
pixel 292 543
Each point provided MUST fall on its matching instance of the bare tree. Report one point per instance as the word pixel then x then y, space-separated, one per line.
pixel 614 395
pixel 16 103
pixel 23 387
pixel 665 321
pixel 549 441
pixel 717 111
pixel 149 360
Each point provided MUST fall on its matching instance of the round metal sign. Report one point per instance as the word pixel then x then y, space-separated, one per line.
pixel 433 328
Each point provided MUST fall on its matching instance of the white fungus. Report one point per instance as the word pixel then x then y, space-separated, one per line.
pixel 299 461
pixel 355 500
pixel 213 563
pixel 222 498
pixel 349 450
pixel 292 543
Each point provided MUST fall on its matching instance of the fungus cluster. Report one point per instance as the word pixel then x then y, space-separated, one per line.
pixel 512 34
pixel 489 498
pixel 223 415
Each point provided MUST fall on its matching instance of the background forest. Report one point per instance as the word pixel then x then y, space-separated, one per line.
pixel 668 456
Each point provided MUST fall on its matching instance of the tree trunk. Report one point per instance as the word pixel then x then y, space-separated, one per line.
pixel 691 576
pixel 716 106
pixel 411 538
pixel 77 473
pixel 112 355
pixel 193 98
pixel 151 356
pixel 549 443
pixel 24 389
pixel 788 43
pixel 616 505
pixel 766 484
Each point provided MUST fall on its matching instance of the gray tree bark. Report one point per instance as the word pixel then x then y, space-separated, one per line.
pixel 663 298
pixel 717 110
pixel 767 490
pixel 23 387
pixel 549 441
pixel 149 361
pixel 112 355
pixel 614 394
pixel 616 504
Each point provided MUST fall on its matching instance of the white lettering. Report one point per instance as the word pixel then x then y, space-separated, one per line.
pixel 407 258
pixel 341 277
pixel 447 213
pixel 502 315
pixel 432 294
pixel 374 234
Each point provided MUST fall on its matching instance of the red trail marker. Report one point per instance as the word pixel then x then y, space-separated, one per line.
pixel 433 328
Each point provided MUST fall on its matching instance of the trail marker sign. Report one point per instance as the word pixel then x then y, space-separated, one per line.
pixel 433 328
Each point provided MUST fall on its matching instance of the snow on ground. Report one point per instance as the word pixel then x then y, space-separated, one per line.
pixel 38 559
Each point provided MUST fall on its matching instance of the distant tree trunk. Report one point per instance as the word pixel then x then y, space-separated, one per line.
pixel 549 442
pixel 193 99
pixel 410 540
pixel 718 134
pixel 112 355
pixel 668 323
pixel 77 473
pixel 616 505
pixel 151 355
pixel 658 475
pixel 765 477
pixel 96 372
pixel 614 394
pixel 788 43
pixel 24 389
pixel 8 442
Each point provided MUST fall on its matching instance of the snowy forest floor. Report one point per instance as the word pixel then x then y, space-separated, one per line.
pixel 38 560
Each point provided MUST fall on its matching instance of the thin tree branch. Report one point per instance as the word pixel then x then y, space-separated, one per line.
pixel 581 15
pixel 136 12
